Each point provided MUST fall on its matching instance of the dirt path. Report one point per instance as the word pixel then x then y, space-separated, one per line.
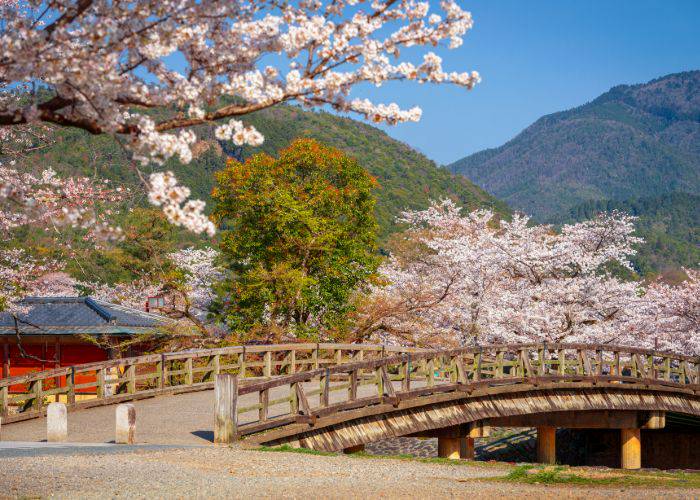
pixel 217 473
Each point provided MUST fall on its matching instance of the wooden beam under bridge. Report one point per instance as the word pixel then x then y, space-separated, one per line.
pixel 608 419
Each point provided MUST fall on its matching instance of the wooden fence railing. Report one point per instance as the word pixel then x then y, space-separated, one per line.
pixel 342 372
pixel 410 375
pixel 93 384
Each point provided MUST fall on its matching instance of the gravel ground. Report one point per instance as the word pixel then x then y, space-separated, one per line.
pixel 218 472
pixel 185 419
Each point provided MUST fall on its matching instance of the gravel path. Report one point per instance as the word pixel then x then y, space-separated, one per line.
pixel 186 419
pixel 217 473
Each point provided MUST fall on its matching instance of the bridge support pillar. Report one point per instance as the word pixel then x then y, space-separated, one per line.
pixel 631 449
pixel 546 445
pixel 449 447
pixel 466 448
pixel 354 449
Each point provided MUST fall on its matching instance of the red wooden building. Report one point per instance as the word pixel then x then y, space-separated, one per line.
pixel 53 332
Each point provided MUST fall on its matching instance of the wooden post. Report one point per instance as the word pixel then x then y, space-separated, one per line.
pixel 264 400
pixel 631 448
pixel 406 369
pixel 430 372
pixel 292 362
pixel 267 369
pixel 315 356
pixel 226 411
pixel 131 379
pixel 242 364
pixel 4 401
pixel 325 383
pixel 125 424
pixel 189 374
pixel 38 390
pixel 466 448
pixel 449 447
pixel 56 423
pixel 294 398
pixel 354 449
pixel 100 383
pixel 6 360
pixel 546 445
pixel 70 381
pixel 160 371
pixel 352 389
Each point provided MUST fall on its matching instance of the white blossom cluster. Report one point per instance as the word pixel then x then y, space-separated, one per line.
pixel 201 273
pixel 166 192
pixel 132 294
pixel 190 299
pixel 235 131
pixel 472 279
pixel 108 63
pixel 22 275
pixel 670 314
pixel 53 201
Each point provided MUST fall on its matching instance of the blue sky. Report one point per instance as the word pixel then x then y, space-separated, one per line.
pixel 541 56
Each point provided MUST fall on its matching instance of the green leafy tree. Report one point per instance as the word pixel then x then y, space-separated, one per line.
pixel 299 237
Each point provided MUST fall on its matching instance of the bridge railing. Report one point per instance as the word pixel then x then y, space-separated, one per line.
pixel 93 384
pixel 297 399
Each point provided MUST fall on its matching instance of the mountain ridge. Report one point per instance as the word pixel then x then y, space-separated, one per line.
pixel 632 141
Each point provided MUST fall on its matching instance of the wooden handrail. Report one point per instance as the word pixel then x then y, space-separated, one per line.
pixel 517 367
pixel 118 379
pixel 263 367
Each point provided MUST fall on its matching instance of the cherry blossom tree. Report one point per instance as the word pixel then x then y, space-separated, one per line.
pixel 52 201
pixel 22 275
pixel 149 71
pixel 188 291
pixel 466 278
pixel 670 315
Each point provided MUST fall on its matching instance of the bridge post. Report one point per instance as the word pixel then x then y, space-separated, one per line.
pixel 546 444
pixel 449 447
pixel 466 448
pixel 631 448
pixel 56 423
pixel 226 411
pixel 125 424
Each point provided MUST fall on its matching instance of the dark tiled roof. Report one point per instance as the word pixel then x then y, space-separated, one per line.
pixel 68 315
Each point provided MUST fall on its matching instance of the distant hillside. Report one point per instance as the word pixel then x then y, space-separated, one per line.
pixel 670 224
pixel 407 178
pixel 631 142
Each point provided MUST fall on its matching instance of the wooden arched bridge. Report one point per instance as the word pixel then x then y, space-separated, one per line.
pixel 341 396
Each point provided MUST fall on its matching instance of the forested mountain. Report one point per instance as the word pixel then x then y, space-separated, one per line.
pixel 407 178
pixel 633 141
pixel 670 225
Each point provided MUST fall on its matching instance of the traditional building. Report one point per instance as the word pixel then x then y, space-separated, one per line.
pixel 57 331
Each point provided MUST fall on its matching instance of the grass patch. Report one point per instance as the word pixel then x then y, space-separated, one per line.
pixel 584 476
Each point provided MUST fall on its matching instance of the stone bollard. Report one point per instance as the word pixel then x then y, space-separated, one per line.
pixel 56 423
pixel 126 424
